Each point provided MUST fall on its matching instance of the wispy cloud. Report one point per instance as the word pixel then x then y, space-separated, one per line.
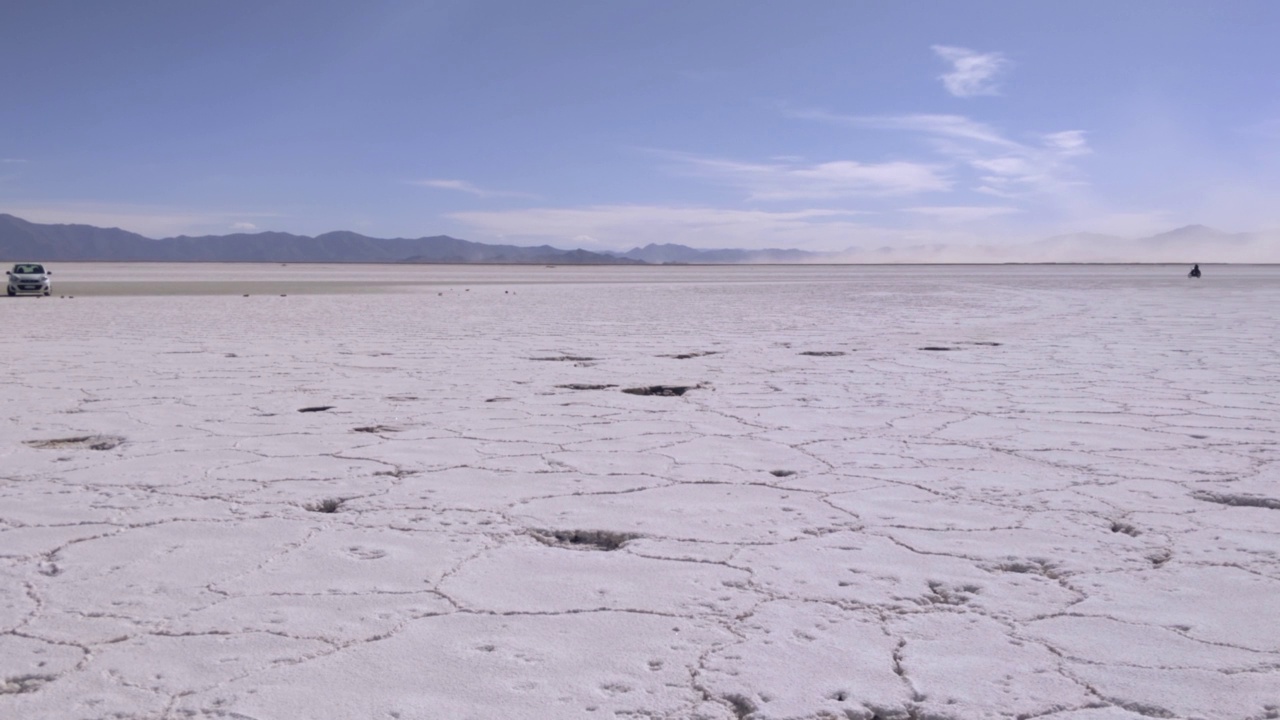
pixel 12 172
pixel 961 213
pixel 465 187
pixel 459 185
pixel 1067 142
pixel 1041 168
pixel 972 73
pixel 1002 166
pixel 792 179
pixel 953 126
pixel 244 227
pixel 624 226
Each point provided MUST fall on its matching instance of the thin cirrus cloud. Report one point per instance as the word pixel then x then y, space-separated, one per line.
pixel 972 73
pixel 1002 166
pixel 788 178
pixel 12 163
pixel 465 187
pixel 1043 168
pixel 957 127
pixel 961 213
pixel 1067 142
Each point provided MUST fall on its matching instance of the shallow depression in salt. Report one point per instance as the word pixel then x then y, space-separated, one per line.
pixel 419 492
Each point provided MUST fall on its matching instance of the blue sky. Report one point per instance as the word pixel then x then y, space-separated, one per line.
pixel 609 124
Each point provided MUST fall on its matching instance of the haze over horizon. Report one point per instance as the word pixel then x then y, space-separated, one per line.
pixel 817 126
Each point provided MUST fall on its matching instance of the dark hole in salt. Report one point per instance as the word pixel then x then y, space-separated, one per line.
pixel 1237 500
pixel 21 684
pixel 87 442
pixel 584 539
pixel 1124 527
pixel 782 473
pixel 824 353
pixel 564 358
pixel 585 386
pixel 316 408
pixel 328 505
pixel 742 707
pixel 660 390
pixel 937 348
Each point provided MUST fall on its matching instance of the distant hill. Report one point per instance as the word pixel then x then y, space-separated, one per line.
pixel 1189 244
pixel 22 240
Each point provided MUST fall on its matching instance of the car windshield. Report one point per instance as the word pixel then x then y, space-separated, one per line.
pixel 27 269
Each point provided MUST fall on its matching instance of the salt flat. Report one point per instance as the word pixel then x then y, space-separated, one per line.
pixel 887 492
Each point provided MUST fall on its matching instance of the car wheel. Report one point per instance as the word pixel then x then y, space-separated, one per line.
pixel 11 292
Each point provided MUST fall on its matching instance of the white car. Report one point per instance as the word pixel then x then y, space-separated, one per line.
pixel 29 279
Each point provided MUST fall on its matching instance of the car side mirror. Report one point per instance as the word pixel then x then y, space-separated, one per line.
pixel 6 272
pixel 48 272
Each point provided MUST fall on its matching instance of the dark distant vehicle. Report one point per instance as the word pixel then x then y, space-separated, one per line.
pixel 1195 271
pixel 29 279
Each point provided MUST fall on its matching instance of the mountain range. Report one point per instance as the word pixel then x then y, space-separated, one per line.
pixel 20 239
pixel 23 240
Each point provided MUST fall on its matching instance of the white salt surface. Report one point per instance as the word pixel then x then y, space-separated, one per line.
pixel 1072 512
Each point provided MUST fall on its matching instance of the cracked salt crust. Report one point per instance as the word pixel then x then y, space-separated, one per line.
pixel 1071 514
